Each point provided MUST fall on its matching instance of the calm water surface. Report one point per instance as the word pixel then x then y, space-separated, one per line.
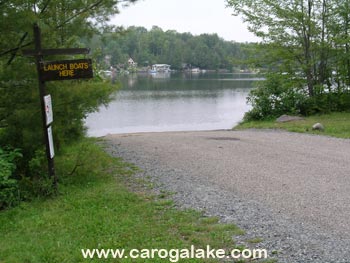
pixel 176 102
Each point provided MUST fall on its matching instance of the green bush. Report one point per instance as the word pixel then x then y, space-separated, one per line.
pixel 22 124
pixel 37 183
pixel 9 193
pixel 284 94
pixel 275 96
pixel 326 103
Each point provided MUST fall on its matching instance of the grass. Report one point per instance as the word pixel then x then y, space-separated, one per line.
pixel 256 240
pixel 336 125
pixel 95 209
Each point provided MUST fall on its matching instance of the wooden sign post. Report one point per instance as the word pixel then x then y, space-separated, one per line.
pixel 55 70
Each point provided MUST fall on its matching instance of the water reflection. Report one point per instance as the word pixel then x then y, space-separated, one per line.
pixel 161 75
pixel 147 103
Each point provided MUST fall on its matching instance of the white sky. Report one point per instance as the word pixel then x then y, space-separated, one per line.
pixel 194 16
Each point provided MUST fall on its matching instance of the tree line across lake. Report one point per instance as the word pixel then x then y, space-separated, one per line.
pixel 155 46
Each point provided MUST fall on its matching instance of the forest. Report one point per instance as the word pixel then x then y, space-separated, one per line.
pixel 155 46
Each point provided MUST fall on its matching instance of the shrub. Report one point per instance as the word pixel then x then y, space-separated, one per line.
pixel 275 96
pixel 9 193
pixel 37 183
pixel 326 103
pixel 20 112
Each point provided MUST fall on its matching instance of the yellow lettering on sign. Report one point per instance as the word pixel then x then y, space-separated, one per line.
pixel 66 73
pixel 82 65
pixel 55 67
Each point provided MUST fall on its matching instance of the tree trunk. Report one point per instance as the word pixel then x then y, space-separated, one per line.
pixel 307 47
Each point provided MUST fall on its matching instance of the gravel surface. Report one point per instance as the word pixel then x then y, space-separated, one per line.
pixel 291 190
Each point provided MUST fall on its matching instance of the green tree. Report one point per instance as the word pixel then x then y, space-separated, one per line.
pixel 306 40
pixel 207 51
pixel 64 23
pixel 340 28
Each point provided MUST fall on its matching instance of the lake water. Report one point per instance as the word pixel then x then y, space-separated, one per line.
pixel 174 102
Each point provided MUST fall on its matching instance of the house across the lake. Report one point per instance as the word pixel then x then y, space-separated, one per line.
pixel 160 68
pixel 132 63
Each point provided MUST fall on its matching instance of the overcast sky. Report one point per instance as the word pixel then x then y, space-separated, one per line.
pixel 194 16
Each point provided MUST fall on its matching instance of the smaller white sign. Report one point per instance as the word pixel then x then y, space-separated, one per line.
pixel 48 109
pixel 49 135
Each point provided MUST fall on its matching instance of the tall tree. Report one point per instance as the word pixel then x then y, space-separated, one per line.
pixel 298 31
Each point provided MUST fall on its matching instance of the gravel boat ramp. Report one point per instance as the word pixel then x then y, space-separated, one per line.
pixel 290 190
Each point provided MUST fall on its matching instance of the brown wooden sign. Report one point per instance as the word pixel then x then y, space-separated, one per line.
pixel 66 69
pixel 55 70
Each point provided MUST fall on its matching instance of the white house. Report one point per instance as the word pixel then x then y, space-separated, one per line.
pixel 132 63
